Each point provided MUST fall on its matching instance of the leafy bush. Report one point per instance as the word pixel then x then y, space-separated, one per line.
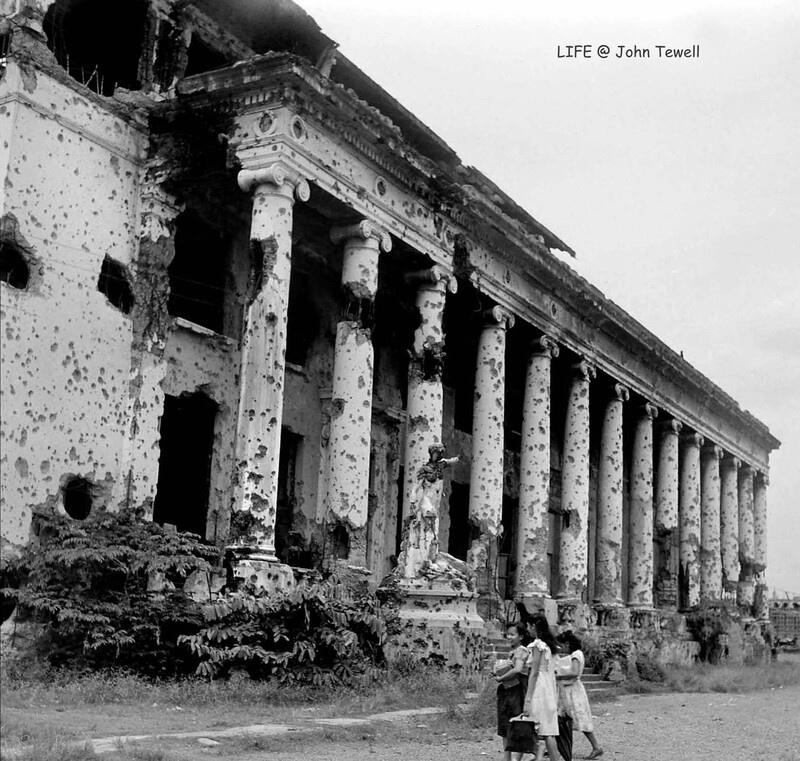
pixel 710 622
pixel 86 583
pixel 313 635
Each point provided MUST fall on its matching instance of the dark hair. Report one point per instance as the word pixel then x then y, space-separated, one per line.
pixel 570 640
pixel 543 632
pixel 522 630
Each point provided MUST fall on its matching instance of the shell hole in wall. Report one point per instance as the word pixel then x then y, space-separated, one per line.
pixel 78 498
pixel 99 43
pixel 113 282
pixel 14 269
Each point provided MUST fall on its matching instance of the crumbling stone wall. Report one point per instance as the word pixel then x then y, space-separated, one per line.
pixel 71 182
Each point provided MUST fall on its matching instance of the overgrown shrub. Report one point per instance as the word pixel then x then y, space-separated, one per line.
pixel 86 584
pixel 710 624
pixel 313 635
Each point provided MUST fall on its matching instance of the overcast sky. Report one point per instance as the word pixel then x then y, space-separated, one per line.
pixel 676 181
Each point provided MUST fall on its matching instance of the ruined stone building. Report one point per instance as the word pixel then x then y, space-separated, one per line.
pixel 245 289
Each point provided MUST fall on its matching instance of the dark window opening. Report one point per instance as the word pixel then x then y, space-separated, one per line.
pixel 341 542
pixel 197 273
pixel 460 531
pixel 287 547
pixel 113 282
pixel 78 498
pixel 98 42
pixel 5 45
pixel 505 560
pixel 302 327
pixel 398 532
pixel 13 267
pixel 184 467
pixel 202 57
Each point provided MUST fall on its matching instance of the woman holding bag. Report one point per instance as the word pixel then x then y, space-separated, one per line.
pixel 512 678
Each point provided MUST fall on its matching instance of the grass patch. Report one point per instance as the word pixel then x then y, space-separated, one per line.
pixel 706 678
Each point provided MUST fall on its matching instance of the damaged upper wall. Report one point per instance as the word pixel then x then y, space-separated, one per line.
pixel 70 206
pixel 286 108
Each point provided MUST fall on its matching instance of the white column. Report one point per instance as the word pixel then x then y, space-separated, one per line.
pixel 640 543
pixel 689 576
pixel 666 520
pixel 746 587
pixel 351 401
pixel 424 406
pixel 263 357
pixel 729 526
pixel 710 533
pixel 486 473
pixel 761 607
pixel 608 563
pixel 532 565
pixel 573 557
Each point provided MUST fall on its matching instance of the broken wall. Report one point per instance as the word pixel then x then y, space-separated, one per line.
pixel 70 189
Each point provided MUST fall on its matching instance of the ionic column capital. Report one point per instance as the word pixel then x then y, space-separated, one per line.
pixel 435 277
pixel 619 393
pixel 584 370
pixel 693 439
pixel 731 461
pixel 365 230
pixel 545 346
pixel 671 427
pixel 712 451
pixel 278 174
pixel 499 317
pixel 762 478
pixel 746 470
pixel 649 411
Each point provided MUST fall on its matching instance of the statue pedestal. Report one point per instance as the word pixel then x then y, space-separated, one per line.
pixel 438 620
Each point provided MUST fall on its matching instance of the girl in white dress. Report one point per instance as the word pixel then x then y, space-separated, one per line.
pixel 541 699
pixel 572 693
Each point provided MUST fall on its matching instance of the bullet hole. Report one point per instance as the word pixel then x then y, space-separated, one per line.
pixel 77 498
pixel 14 269
pixel 98 43
pixel 114 284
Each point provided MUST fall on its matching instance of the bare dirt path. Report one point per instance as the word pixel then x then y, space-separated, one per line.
pixel 677 727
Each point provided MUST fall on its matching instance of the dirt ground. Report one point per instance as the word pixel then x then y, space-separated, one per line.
pixel 676 727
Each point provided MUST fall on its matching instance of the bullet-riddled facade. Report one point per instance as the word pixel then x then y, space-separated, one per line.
pixel 245 289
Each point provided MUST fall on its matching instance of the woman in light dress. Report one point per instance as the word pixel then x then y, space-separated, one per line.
pixel 572 694
pixel 541 698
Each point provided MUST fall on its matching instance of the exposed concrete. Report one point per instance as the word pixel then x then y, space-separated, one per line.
pixel 640 556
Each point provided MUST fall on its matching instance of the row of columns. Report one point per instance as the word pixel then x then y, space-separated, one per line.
pixel 719 515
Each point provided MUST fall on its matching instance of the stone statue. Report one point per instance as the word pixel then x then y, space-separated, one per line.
pixel 419 554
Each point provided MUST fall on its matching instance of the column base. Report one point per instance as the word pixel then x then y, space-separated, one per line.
pixel 643 618
pixel 259 570
pixel 539 604
pixel 437 620
pixel 573 614
pixel 745 595
pixel 612 615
